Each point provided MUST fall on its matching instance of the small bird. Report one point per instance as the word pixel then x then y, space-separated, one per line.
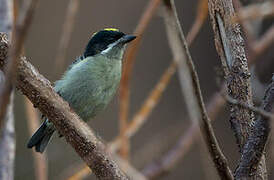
pixel 90 82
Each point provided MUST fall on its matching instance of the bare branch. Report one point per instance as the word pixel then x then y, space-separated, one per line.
pixel 254 11
pixel 81 174
pixel 170 159
pixel 77 133
pixel 66 34
pixel 7 142
pixel 191 87
pixel 129 59
pixel 262 44
pixel 40 160
pixel 7 132
pixel 255 145
pixel 18 37
pixel 256 110
pixel 230 47
pixel 201 15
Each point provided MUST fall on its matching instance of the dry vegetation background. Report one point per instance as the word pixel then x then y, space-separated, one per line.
pixel 169 120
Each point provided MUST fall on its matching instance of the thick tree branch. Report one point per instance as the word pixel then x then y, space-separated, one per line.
pixel 230 47
pixel 77 133
pixel 191 88
pixel 255 145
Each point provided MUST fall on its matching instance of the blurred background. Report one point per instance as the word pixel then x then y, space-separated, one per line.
pixel 167 121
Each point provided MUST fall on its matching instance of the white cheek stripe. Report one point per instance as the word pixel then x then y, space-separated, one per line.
pixel 110 46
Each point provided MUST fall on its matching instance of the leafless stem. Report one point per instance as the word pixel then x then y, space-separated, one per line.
pixel 191 88
pixel 255 145
pixel 129 59
pixel 40 161
pixel 66 35
pixel 77 133
pixel 18 37
pixel 81 174
pixel 7 142
pixel 201 15
pixel 169 160
pixel 256 110
pixel 262 44
pixel 255 11
pixel 7 132
pixel 230 47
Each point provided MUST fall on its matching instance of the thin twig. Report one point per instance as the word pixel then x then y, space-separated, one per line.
pixel 255 145
pixel 81 174
pixel 256 110
pixel 141 116
pixel 264 42
pixel 170 159
pixel 40 161
pixel 66 34
pixel 255 11
pixel 7 131
pixel 76 132
pixel 191 88
pixel 230 47
pixel 129 59
pixel 201 15
pixel 18 37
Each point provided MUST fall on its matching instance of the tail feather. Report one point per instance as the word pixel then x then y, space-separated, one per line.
pixel 41 137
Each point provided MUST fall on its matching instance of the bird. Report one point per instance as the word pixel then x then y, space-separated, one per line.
pixel 90 82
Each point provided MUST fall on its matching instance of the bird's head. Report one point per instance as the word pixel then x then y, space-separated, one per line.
pixel 110 42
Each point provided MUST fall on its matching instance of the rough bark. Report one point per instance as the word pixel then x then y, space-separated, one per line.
pixel 255 145
pixel 230 47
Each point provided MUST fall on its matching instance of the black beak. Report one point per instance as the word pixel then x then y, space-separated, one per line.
pixel 127 38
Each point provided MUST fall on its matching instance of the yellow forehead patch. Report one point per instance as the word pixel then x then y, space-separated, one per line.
pixel 111 29
pixel 107 29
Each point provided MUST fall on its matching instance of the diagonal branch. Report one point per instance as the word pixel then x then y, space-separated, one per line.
pixel 77 133
pixel 129 59
pixel 254 11
pixel 170 159
pixel 68 25
pixel 191 88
